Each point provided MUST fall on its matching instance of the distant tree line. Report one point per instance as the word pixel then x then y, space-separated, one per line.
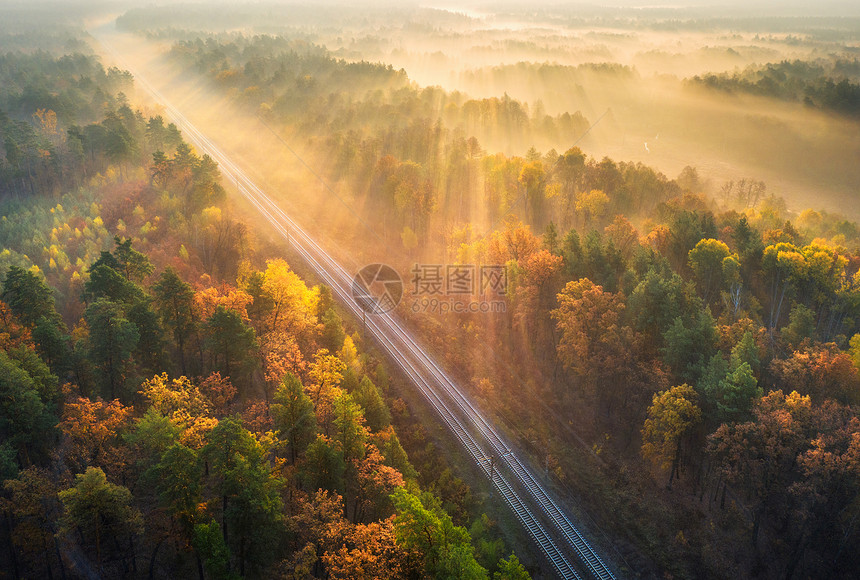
pixel 830 87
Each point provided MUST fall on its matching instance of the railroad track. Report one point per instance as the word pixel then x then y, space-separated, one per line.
pixel 540 514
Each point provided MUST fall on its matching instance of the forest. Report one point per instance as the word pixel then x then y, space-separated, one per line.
pixel 692 337
pixel 182 397
pixel 168 407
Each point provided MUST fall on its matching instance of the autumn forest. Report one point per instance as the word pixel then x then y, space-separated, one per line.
pixel 675 355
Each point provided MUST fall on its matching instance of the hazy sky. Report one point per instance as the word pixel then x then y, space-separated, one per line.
pixel 739 7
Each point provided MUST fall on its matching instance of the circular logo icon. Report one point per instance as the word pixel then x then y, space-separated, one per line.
pixel 377 288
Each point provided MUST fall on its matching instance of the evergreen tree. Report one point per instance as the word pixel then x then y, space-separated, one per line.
pixel 112 340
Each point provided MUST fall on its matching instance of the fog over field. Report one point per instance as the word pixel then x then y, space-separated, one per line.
pixel 631 66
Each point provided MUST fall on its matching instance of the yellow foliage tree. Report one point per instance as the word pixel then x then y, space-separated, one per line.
pixel 592 205
pixel 672 415
pixel 294 304
pixel 325 373
pixel 168 396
